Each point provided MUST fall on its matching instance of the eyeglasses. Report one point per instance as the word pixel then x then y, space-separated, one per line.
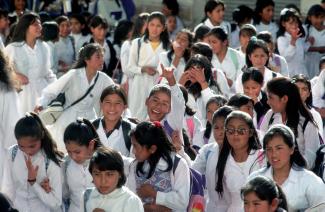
pixel 240 131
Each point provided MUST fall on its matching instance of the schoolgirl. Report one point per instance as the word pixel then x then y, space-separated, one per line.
pixel 31 59
pixel 81 141
pixel 32 176
pixel 86 76
pixel 143 61
pixel 50 34
pixel 160 177
pixel 109 194
pixel 179 54
pixel 245 33
pixel 171 8
pixel 79 30
pixel 112 128
pixel 286 166
pixel 200 34
pixel 287 108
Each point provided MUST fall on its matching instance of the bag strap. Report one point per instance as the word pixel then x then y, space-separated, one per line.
pixel 87 92
pixel 126 128
pixel 176 161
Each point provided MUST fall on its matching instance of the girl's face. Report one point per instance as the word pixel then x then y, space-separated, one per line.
pixel 278 153
pixel 211 108
pixel 64 29
pixel 254 204
pixel 105 181
pixel 76 26
pixel 277 104
pixel 95 62
pixel 216 44
pixel 4 23
pixel 217 14
pixel 244 39
pixel 317 21
pixel 99 33
pixel 113 106
pixel 267 14
pixel 79 153
pixel 248 108
pixel 155 28
pixel 29 145
pixel 182 40
pixel 252 88
pixel 258 58
pixel 158 105
pixel 238 134
pixel 219 130
pixel 171 23
pixel 303 90
pixel 35 29
pixel 291 26
pixel 20 5
pixel 142 153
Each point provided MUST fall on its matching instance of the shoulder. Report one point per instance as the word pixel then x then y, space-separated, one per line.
pixel 261 172
pixel 309 177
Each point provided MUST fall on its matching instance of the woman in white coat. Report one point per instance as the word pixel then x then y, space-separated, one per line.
pixel 286 166
pixel 31 59
pixel 74 84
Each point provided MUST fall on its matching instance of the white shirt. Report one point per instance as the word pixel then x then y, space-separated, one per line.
pixel 125 52
pixel 79 41
pixel 303 189
pixel 224 24
pixel 283 68
pixel 271 27
pixel 221 80
pixel 318 91
pixel 65 50
pixel 53 57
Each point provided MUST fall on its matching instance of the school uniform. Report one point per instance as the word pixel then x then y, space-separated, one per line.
pixel 178 71
pixel 220 78
pixel 318 119
pixel 303 189
pixel 174 186
pixel 318 91
pixel 308 140
pixel 224 24
pixel 34 63
pixel 121 199
pixel 74 84
pixel 73 189
pixel 26 197
pixel 79 40
pixel 53 57
pixel 277 63
pixel 234 37
pixel 294 55
pixel 272 27
pixel 124 60
pixel 142 83
pixel 260 109
pixel 65 50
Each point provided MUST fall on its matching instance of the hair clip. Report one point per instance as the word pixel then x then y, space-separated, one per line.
pixel 157 124
pixel 253 38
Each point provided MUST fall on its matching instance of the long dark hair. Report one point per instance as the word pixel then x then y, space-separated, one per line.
pixel 282 86
pixel 5 73
pixel 303 79
pixel 188 110
pixel 187 52
pixel 85 53
pixel 31 126
pixel 121 31
pixel 139 23
pixel 285 15
pixel 210 6
pixel 21 28
pixel 259 6
pixel 315 10
pixel 253 144
pixel 254 44
pixel 164 37
pixel 148 134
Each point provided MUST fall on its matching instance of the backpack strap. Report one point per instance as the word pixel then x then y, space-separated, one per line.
pixel 126 128
pixel 73 46
pixel 234 58
pixel 273 74
pixel 86 197
pixel 271 119
pixel 14 152
pixel 304 126
pixel 190 126
pixel 96 123
pixel 175 164
pixel 139 46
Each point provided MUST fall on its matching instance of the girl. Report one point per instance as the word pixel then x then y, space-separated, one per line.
pixel 65 47
pixel 315 30
pixel 50 34
pixel 288 108
pixel 144 58
pixel 263 18
pixel 74 84
pixel 79 31
pixel 214 11
pixel 31 59
pixel 112 129
pixel 179 54
pixel 291 42
pixel 18 8
pixel 201 33
pixel 171 8
pixel 81 141
pixel 286 166
pixel 158 180
pixel 32 177
pixel 109 194
pixel 257 56
pixel 263 194
pixel 228 59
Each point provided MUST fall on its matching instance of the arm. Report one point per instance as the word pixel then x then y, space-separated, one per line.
pixel 133 65
pixel 7 184
pixel 201 159
pixel 315 190
pixel 286 49
pixel 49 75
pixel 125 53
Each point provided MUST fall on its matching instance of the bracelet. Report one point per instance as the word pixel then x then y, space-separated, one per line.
pixel 31 180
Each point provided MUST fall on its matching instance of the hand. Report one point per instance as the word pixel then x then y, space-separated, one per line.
pixel 146 191
pixel 155 208
pixel 149 70
pixel 184 78
pixel 45 184
pixel 311 40
pixel 178 50
pixel 177 141
pixel 168 73
pixel 295 35
pixel 22 78
pixel 38 109
pixel 198 74
pixel 32 170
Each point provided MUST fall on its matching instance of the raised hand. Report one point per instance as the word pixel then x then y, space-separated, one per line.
pixel 168 73
pixel 32 170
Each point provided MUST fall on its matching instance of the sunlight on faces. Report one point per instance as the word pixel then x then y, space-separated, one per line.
pixel 158 106
pixel 254 204
pixel 96 61
pixel 99 33
pixel 303 90
pixel 29 145
pixel 142 153
pixel 258 58
pixel 182 40
pixel 113 107
pixel 277 104
pixel 105 181
pixel 238 134
pixel 79 153
pixel 216 44
pixel 267 14
pixel 252 88
pixel 291 26
pixel 155 28
pixel 216 16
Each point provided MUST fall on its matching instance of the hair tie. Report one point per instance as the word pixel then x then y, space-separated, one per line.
pixel 157 124
pixel 253 38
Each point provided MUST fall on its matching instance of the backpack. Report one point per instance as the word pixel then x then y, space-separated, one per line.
pixel 196 201
pixel 319 168
pixel 126 128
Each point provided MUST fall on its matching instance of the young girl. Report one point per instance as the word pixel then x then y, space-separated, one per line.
pixel 32 177
pixel 155 175
pixel 18 8
pixel 315 30
pixel 31 59
pixel 81 141
pixel 170 8
pixel 144 58
pixel 286 167
pixel 109 194
pixel 65 47
pixel 257 56
pixel 79 31
pixel 291 43
pixel 288 108
pixel 50 34
pixel 263 18
pixel 112 129
pixel 179 54
pixel 74 84
pixel 263 194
